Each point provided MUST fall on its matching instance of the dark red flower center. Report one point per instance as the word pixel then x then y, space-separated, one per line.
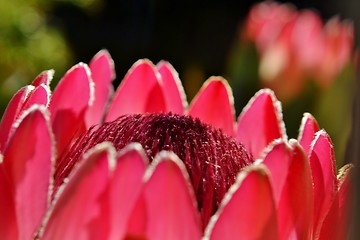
pixel 212 158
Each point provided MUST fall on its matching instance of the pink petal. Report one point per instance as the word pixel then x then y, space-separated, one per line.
pixel 344 195
pixel 323 167
pixel 214 105
pixel 136 228
pixel 336 223
pixel 308 128
pixel 139 92
pixel 174 92
pixel 11 114
pixel 43 78
pixel 69 104
pixel 28 163
pixel 260 123
pixel 103 73
pixel 170 202
pixel 248 210
pixel 78 205
pixel 125 188
pixel 21 101
pixel 278 160
pixel 8 226
pixel 295 207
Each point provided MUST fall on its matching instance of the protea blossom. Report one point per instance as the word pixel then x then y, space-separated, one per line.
pixel 296 45
pixel 149 166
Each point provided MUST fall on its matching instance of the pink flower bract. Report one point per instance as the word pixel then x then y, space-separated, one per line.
pixel 138 189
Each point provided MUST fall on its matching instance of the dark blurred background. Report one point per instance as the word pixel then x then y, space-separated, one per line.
pixel 195 36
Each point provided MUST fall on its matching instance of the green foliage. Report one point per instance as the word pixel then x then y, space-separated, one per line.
pixel 29 44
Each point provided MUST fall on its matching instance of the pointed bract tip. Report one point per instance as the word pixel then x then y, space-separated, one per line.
pixel 277 106
pixel 102 147
pixel 36 107
pixel 344 171
pixel 171 158
pixel 270 147
pixel 105 53
pixel 44 77
pixel 306 117
pixel 145 61
pixel 318 134
pixel 175 94
pixel 293 142
pixel 134 146
pixel 259 168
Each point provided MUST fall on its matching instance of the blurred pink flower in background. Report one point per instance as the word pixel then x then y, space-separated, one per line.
pixel 296 45
pixel 65 174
